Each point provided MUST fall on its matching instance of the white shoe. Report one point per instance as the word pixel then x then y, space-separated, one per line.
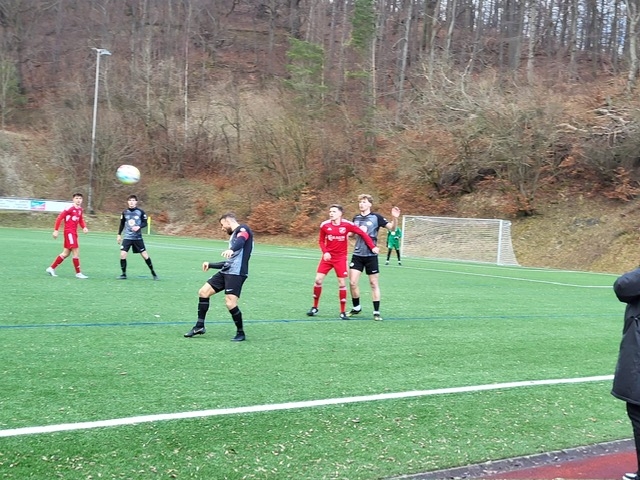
pixel 51 272
pixel 630 476
pixel 81 275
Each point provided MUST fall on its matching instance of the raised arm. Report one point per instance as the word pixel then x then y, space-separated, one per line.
pixel 395 214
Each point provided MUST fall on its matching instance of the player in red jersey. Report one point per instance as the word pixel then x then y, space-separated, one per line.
pixel 72 217
pixel 333 241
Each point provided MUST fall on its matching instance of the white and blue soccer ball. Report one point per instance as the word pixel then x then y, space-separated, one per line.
pixel 128 174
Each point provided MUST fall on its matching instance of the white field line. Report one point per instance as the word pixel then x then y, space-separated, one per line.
pixel 296 253
pixel 517 279
pixel 293 252
pixel 291 405
pixel 314 257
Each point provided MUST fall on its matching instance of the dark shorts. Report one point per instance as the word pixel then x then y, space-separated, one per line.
pixel 137 245
pixel 369 265
pixel 229 284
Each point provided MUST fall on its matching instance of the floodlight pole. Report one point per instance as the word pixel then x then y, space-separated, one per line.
pixel 99 53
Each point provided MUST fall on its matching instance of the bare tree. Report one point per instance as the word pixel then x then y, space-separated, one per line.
pixel 533 25
pixel 633 16
pixel 477 35
pixel 512 28
pixel 614 37
pixel 18 20
pixel 294 18
pixel 434 21
pixel 451 14
pixel 572 43
pixel 9 93
pixel 403 58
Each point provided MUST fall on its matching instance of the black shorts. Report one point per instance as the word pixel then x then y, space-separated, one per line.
pixel 230 284
pixel 137 245
pixel 367 264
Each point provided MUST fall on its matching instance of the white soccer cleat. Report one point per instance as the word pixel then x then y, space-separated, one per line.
pixel 51 272
pixel 81 275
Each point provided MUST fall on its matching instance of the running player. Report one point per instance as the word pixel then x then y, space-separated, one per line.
pixel 333 239
pixel 132 221
pixel 72 218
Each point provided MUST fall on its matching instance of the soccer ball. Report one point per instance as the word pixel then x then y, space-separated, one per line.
pixel 128 174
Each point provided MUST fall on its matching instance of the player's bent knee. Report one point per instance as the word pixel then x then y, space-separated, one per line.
pixel 205 291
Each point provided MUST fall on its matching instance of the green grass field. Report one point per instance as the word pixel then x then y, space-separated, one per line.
pixel 100 349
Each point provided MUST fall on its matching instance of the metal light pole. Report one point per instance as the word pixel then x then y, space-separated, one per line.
pixel 99 53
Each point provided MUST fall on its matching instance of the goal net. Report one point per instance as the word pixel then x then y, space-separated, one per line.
pixel 465 239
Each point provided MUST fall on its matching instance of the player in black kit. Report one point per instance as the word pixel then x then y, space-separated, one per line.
pixel 132 221
pixel 233 272
pixel 363 258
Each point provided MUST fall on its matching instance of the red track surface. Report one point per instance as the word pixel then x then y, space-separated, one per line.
pixel 611 466
pixel 602 461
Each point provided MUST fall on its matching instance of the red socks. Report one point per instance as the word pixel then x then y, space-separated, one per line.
pixel 342 294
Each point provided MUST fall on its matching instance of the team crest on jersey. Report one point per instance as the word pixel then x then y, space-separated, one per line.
pixel 342 230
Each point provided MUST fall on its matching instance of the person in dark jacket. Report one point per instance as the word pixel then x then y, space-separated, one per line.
pixel 626 381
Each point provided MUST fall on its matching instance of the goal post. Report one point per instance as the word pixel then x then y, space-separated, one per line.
pixel 464 239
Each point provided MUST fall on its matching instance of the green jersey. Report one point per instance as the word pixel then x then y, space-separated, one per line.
pixel 393 238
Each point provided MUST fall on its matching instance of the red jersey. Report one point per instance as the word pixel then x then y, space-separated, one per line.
pixel 72 217
pixel 333 238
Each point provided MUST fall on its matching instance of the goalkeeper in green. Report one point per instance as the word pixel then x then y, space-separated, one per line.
pixel 393 243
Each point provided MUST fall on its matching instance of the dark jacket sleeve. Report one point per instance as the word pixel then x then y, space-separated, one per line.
pixel 626 380
pixel 627 287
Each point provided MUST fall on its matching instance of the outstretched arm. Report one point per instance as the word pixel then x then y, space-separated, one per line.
pixel 207 265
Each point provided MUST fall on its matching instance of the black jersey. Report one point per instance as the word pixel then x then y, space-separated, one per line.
pixel 370 224
pixel 241 242
pixel 130 218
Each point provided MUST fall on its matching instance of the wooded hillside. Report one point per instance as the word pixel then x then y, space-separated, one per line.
pixel 277 108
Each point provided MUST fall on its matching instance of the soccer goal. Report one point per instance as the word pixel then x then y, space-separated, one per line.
pixel 464 239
